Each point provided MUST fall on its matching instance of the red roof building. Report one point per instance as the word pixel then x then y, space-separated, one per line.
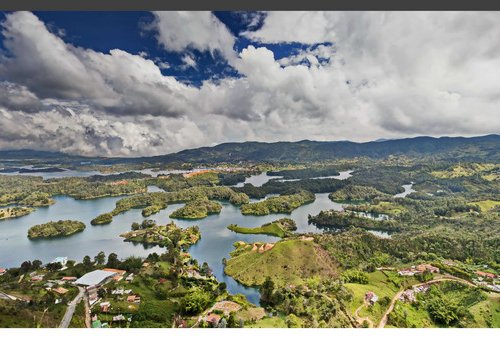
pixel 486 274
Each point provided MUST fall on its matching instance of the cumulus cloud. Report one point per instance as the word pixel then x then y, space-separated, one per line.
pixel 414 73
pixel 362 76
pixel 178 31
pixel 118 82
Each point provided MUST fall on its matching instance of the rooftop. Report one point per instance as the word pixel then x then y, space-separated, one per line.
pixel 94 278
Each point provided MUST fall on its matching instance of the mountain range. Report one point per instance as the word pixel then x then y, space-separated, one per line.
pixel 481 148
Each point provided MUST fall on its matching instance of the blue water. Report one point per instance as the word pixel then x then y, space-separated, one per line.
pixel 216 241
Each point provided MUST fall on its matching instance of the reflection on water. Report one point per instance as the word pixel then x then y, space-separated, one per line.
pixel 260 179
pixel 216 241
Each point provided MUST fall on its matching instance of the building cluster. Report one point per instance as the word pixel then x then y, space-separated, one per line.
pixel 418 269
pixel 410 295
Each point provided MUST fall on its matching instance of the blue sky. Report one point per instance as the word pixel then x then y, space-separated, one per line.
pixel 148 83
pixel 103 31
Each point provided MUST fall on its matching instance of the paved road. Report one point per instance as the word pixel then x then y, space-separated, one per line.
pixel 383 321
pixel 71 309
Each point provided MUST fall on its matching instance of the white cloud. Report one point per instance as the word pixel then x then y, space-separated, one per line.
pixel 188 61
pixel 178 31
pixel 380 75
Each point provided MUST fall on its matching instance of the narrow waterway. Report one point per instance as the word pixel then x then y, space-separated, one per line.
pixel 216 241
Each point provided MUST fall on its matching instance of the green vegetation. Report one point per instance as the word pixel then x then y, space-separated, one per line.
pixel 380 207
pixel 447 304
pixel 486 205
pixel 59 228
pixel 288 262
pixel 151 202
pixel 278 228
pixel 102 219
pixel 356 193
pixel 197 209
pixel 466 170
pixel 150 233
pixel 281 204
pixel 34 191
pixel 14 212
pixel 341 220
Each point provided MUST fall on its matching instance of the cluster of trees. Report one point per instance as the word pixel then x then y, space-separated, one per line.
pixel 313 304
pixel 292 187
pixel 147 223
pixel 342 220
pixel 155 201
pixel 356 193
pixel 280 204
pixel 56 229
pixel 197 209
pixel 14 212
pixel 34 191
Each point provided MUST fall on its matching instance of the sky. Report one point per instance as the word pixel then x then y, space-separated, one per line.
pixel 150 83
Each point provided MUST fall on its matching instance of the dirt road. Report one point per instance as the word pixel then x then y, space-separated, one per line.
pixel 383 321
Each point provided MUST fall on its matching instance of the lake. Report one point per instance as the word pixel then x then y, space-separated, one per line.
pixel 216 240
pixel 260 179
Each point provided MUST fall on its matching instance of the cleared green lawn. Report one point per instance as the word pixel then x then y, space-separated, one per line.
pixel 288 262
pixel 381 286
pixel 274 322
pixel 486 205
pixel 487 313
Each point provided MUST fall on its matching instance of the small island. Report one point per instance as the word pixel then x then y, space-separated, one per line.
pixel 51 229
pixel 339 220
pixel 14 212
pixel 102 219
pixel 280 204
pixel 148 232
pixel 197 209
pixel 278 228
pixel 356 193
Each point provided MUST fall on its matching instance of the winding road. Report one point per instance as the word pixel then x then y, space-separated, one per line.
pixel 71 309
pixel 383 321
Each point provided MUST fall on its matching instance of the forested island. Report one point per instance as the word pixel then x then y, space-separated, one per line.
pixel 14 212
pixel 148 232
pixel 61 228
pixel 281 204
pixel 197 209
pixel 278 228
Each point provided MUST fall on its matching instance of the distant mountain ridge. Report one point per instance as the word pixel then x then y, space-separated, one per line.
pixel 467 149
pixel 481 148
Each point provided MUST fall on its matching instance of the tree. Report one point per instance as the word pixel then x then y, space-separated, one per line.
pixel 205 270
pixel 196 301
pixel 136 226
pixel 87 262
pixel 26 266
pixel 100 258
pixel 113 261
pixel 266 290
pixel 54 266
pixel 231 321
pixel 36 264
pixel 443 309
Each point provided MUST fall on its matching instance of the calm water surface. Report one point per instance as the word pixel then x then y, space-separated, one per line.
pixel 216 241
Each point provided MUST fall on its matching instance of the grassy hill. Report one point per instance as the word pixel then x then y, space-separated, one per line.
pixel 288 262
